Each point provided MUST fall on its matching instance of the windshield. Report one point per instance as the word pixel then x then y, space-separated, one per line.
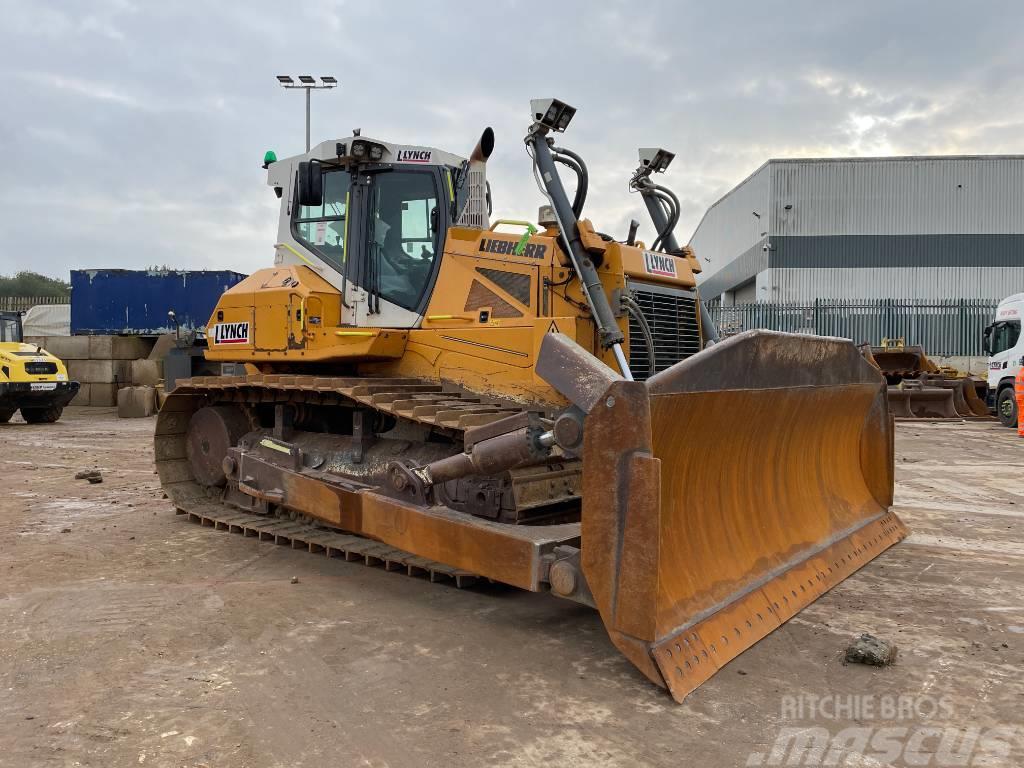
pixel 10 328
pixel 1004 336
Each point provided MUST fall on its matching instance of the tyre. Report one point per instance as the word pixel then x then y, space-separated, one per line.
pixel 5 414
pixel 41 415
pixel 1006 407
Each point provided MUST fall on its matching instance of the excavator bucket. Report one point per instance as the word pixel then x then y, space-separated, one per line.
pixel 903 362
pixel 726 493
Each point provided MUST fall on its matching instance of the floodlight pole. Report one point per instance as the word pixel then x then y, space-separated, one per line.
pixel 307 84
pixel 307 118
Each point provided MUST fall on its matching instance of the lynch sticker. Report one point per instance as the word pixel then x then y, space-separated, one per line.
pixel 414 156
pixel 531 251
pixel 231 333
pixel 659 264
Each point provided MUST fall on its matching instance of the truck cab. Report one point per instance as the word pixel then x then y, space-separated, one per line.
pixel 1004 345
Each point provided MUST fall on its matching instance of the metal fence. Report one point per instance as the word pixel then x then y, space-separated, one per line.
pixel 942 327
pixel 22 303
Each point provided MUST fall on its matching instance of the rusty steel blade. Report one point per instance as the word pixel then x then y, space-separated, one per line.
pixel 730 491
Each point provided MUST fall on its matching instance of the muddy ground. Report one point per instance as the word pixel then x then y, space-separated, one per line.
pixel 129 636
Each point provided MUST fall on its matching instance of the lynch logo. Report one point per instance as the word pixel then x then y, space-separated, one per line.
pixel 659 264
pixel 231 333
pixel 531 251
pixel 414 155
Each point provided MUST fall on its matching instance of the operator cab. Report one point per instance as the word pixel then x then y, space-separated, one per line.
pixel 10 328
pixel 371 217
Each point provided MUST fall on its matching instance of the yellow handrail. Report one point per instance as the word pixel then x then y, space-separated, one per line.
pixel 514 222
pixel 466 318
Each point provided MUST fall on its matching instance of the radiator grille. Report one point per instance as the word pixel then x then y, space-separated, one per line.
pixel 673 317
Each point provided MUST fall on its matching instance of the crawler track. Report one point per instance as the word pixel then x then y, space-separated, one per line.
pixel 414 400
pixel 318 540
pixel 442 408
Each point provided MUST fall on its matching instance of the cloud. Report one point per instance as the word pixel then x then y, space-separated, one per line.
pixel 87 88
pixel 133 133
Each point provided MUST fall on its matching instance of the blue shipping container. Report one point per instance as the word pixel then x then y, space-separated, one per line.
pixel 112 301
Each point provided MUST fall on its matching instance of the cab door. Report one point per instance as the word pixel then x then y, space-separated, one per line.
pixel 406 223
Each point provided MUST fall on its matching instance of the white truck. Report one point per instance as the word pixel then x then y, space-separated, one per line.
pixel 1005 347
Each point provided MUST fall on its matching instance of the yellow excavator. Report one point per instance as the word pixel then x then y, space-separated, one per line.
pixel 548 407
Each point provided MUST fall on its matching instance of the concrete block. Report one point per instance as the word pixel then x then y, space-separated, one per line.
pixel 103 395
pixel 64 347
pixel 161 397
pixel 119 347
pixel 84 393
pixel 136 402
pixel 100 371
pixel 146 373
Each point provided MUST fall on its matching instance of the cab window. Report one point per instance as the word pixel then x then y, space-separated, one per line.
pixel 404 220
pixel 322 227
pixel 10 329
pixel 1005 336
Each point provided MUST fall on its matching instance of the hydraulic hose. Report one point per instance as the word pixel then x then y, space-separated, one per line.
pixel 645 328
pixel 584 179
pixel 671 202
pixel 581 189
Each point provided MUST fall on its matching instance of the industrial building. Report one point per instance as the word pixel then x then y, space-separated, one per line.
pixel 867 228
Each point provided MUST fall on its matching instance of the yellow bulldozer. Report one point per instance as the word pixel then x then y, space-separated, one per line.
pixel 548 407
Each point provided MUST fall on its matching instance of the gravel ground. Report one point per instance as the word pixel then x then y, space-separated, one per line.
pixel 129 636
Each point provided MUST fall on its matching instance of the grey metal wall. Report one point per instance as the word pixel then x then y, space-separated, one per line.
pixel 729 236
pixel 898 196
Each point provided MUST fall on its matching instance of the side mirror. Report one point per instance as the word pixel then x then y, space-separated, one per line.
pixel 311 183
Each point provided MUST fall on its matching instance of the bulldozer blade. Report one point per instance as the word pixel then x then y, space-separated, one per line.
pixel 727 493
pixel 974 401
pixel 899 403
pixel 965 394
pixel 929 402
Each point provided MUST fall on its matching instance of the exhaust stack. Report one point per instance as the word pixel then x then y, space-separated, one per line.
pixel 475 212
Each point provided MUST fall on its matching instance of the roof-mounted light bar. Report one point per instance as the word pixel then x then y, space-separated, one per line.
pixel 361 150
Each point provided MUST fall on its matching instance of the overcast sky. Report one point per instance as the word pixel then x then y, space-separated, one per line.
pixel 132 132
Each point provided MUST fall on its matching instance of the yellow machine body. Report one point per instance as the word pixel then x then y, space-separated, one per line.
pixel 482 329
